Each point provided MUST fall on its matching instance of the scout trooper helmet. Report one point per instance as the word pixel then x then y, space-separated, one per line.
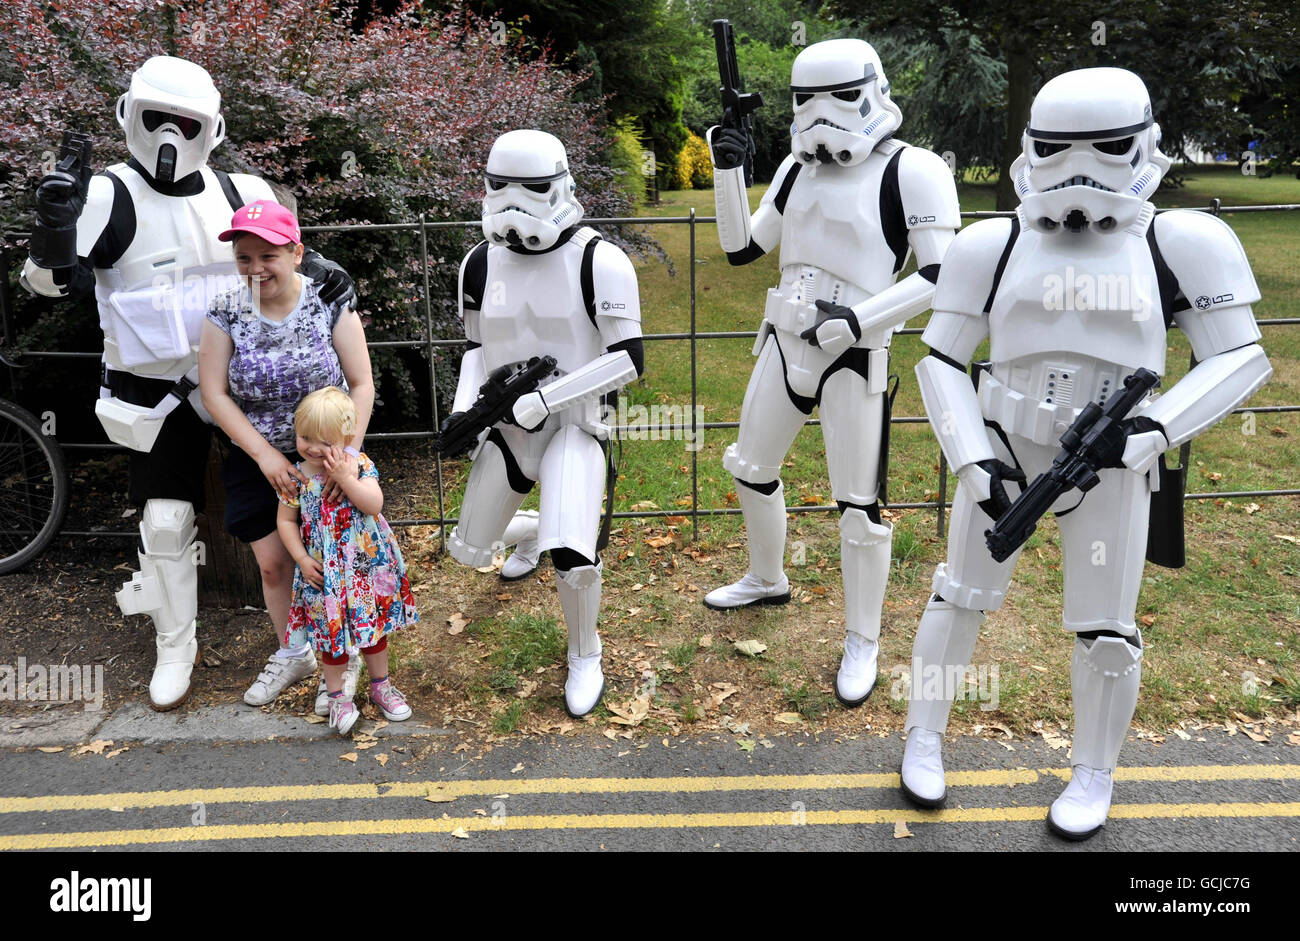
pixel 530 195
pixel 172 117
pixel 1090 154
pixel 842 108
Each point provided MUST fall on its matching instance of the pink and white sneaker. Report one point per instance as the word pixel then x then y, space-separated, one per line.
pixel 390 702
pixel 343 715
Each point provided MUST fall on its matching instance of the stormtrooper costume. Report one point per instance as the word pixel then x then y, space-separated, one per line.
pixel 848 206
pixel 145 239
pixel 542 285
pixel 1074 294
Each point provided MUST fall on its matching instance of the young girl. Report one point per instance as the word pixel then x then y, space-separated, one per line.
pixel 350 588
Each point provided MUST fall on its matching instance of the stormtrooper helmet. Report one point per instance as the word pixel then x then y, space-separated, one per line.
pixel 172 117
pixel 1090 155
pixel 529 199
pixel 842 108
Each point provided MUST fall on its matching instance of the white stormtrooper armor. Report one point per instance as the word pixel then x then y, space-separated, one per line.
pixel 574 298
pixel 149 231
pixel 848 206
pixel 1074 294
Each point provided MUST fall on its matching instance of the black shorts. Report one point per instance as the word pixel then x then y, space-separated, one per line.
pixel 251 501
pixel 176 468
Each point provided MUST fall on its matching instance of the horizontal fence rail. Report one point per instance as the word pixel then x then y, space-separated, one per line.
pixel 429 342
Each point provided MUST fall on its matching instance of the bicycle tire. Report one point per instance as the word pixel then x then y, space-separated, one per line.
pixel 33 487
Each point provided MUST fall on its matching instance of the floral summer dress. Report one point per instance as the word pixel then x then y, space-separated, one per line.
pixel 366 594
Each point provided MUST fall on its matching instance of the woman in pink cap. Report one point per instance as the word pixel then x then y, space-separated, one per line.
pixel 264 348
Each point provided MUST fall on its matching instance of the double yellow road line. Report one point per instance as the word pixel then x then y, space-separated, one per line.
pixel 789 784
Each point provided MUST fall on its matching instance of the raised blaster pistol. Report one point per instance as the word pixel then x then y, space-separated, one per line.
pixel 737 108
pixel 1095 440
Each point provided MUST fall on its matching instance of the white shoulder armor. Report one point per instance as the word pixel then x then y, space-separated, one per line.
pixel 252 188
pixel 613 281
pixel 1212 272
pixel 966 279
pixel 928 192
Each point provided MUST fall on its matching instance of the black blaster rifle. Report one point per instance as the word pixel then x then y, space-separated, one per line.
pixel 496 397
pixel 737 109
pixel 1094 441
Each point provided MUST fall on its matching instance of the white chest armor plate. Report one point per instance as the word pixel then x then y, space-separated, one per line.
pixel 153 301
pixel 831 221
pixel 533 306
pixel 1067 327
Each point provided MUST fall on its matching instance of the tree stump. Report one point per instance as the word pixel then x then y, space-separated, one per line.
pixel 229 576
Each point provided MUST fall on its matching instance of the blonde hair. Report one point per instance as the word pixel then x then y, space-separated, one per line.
pixel 327 415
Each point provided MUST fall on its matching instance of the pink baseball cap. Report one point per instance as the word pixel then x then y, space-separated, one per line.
pixel 266 219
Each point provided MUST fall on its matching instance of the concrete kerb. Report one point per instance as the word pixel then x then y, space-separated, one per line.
pixel 136 722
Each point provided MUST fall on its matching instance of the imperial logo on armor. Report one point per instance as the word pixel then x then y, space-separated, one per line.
pixel 609 305
pixel 917 220
pixel 1205 302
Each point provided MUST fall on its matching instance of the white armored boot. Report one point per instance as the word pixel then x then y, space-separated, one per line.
pixel 167 589
pixel 765 583
pixel 864 565
pixel 522 534
pixel 945 639
pixel 1105 674
pixel 579 590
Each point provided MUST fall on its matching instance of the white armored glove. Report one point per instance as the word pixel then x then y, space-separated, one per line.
pixel 530 411
pixel 836 330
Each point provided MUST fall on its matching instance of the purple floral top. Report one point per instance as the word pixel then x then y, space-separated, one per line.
pixel 275 365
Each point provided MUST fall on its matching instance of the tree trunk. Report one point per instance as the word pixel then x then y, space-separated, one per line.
pixel 228 574
pixel 1020 73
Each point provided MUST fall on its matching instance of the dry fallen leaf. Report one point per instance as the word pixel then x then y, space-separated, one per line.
pixel 900 830
pixel 456 623
pixel 50 749
pixel 116 751
pixel 1293 738
pixel 382 759
pixel 1147 620
pixel 706 640
pixel 750 648
pixel 789 718
pixel 517 768
pixel 460 834
pixel 316 720
pixel 350 756
pixel 1255 736
pixel 658 542
pixel 438 796
pixel 645 505
pixel 96 747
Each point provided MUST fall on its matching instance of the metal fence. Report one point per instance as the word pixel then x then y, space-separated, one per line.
pixel 429 342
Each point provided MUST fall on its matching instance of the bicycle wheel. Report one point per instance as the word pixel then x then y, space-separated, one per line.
pixel 33 487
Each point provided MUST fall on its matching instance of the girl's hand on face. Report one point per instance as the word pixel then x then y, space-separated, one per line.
pixel 339 467
pixel 279 473
pixel 312 571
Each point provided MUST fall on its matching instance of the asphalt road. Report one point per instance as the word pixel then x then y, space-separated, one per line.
pixel 797 792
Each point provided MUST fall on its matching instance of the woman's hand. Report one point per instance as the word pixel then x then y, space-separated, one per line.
pixel 312 571
pixel 279 473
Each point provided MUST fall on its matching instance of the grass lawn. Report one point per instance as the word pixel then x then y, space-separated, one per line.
pixel 1223 633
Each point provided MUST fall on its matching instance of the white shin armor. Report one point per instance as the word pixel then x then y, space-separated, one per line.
pixel 864 564
pixel 765 526
pixel 945 642
pixel 1105 674
pixel 579 590
pixel 167 589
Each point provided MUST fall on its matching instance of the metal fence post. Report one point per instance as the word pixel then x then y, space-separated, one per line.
pixel 433 375
pixel 943 491
pixel 695 438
